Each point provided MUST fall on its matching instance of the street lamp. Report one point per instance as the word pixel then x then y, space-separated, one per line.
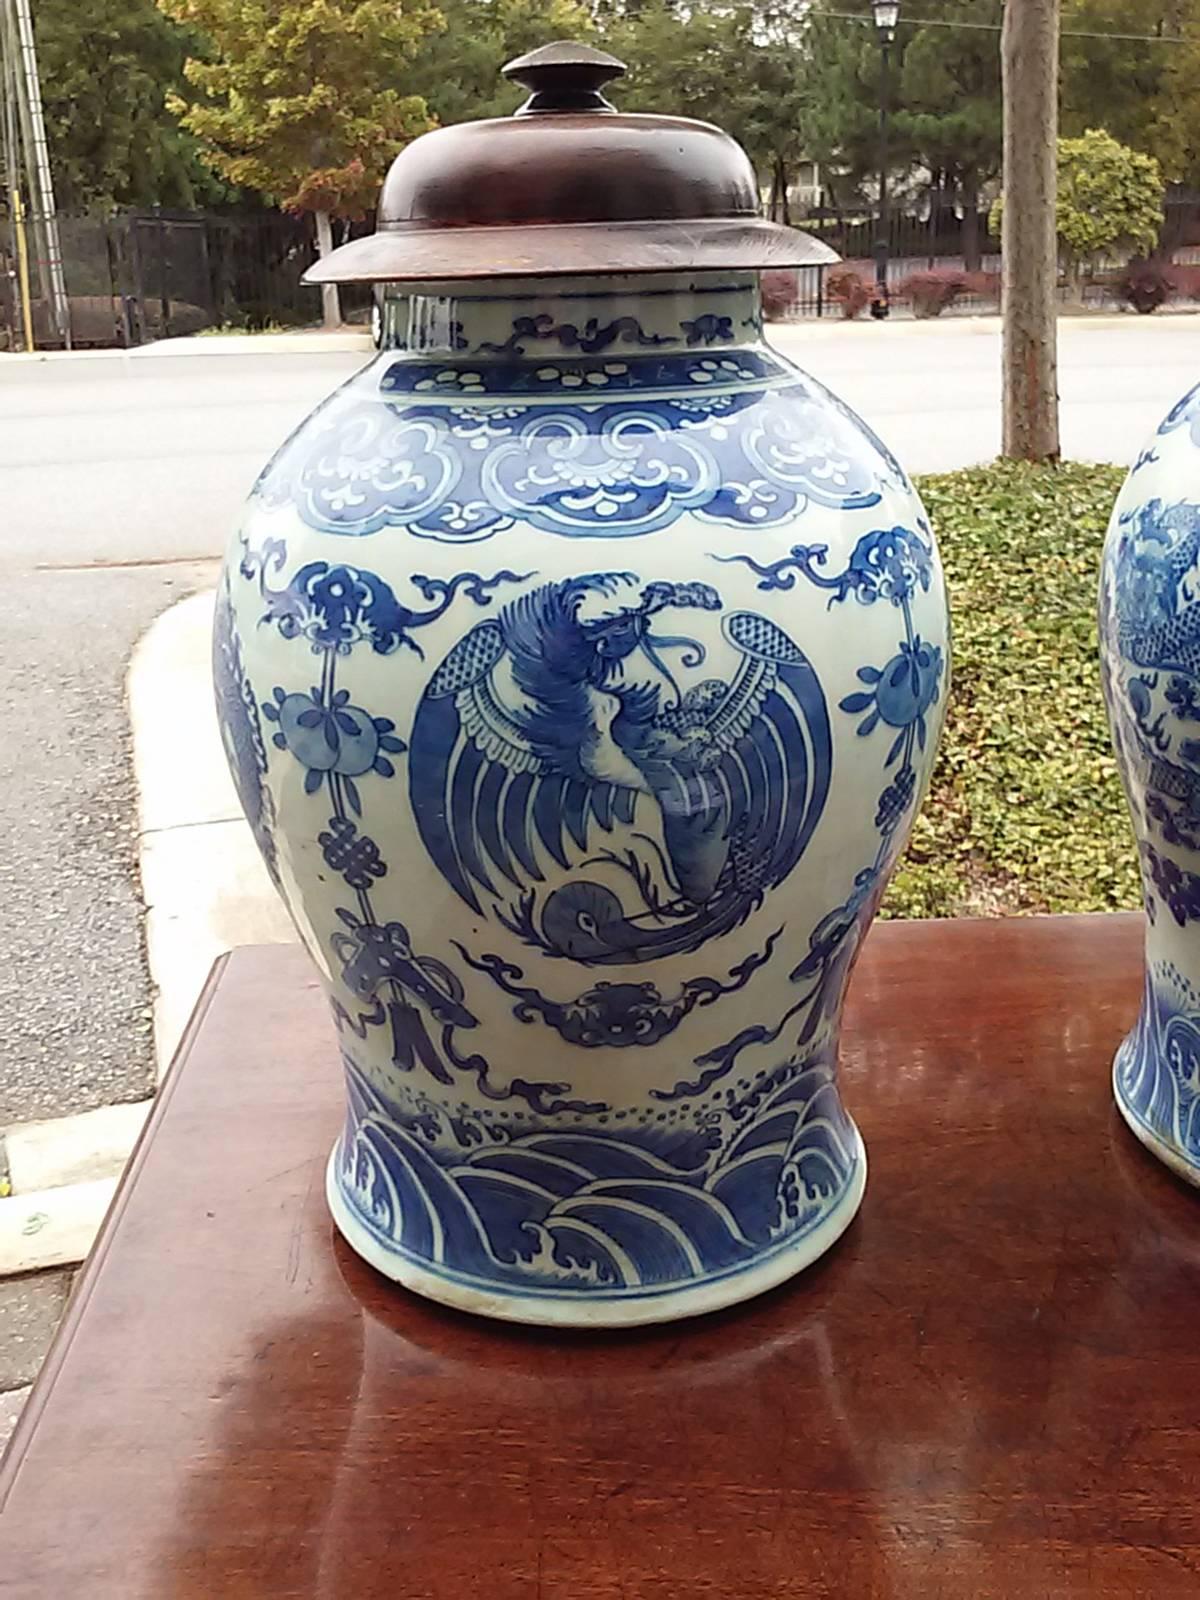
pixel 887 15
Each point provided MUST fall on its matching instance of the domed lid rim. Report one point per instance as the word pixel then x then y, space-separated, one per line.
pixel 416 252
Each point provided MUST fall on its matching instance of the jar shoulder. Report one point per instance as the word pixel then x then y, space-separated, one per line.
pixel 741 442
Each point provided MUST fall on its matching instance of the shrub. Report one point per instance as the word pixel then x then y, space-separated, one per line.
pixel 1187 282
pixel 780 292
pixel 984 286
pixel 929 293
pixel 1109 199
pixel 1025 812
pixel 848 289
pixel 1146 285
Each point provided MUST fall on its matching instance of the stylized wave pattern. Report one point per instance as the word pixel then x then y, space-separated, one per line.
pixel 556 1211
pixel 1158 1068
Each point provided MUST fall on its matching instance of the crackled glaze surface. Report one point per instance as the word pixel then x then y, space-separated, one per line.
pixel 581 664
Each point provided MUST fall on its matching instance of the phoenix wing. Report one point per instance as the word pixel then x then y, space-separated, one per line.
pixel 490 782
pixel 747 773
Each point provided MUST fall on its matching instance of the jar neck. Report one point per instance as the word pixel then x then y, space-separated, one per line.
pixel 534 320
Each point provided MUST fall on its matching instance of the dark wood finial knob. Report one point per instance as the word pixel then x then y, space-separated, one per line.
pixel 566 76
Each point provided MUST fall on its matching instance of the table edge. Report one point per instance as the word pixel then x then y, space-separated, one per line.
pixel 13 1456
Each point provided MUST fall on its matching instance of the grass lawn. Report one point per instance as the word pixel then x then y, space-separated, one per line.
pixel 1026 811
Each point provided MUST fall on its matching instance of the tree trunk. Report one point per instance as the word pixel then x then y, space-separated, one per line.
pixel 972 247
pixel 1029 55
pixel 331 306
pixel 937 202
pixel 779 196
pixel 835 199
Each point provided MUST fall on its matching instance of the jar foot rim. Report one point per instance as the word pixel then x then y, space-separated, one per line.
pixel 594 1311
pixel 1182 1165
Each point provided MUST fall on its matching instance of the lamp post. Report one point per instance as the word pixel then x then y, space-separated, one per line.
pixel 887 15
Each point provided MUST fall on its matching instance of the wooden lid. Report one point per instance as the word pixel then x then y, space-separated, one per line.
pixel 568 185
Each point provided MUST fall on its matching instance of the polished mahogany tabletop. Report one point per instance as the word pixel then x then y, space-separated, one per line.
pixel 990 1387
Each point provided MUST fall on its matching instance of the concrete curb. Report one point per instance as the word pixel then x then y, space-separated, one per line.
pixel 12 1402
pixel 805 328
pixel 62 1173
pixel 73 1150
pixel 52 1227
pixel 205 889
pixel 351 339
pixel 216 344
pixel 203 880
pixel 257 344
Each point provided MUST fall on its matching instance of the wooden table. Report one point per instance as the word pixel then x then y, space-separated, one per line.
pixel 990 1387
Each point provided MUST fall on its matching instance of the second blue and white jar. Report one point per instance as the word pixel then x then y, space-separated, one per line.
pixel 1150 652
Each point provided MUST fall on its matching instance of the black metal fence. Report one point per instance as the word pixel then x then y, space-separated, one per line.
pixel 948 238
pixel 140 275
pixel 946 245
pixel 921 240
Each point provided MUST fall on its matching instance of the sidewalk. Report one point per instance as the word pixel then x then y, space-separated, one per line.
pixel 206 890
pixel 316 342
pixel 203 880
pixel 210 344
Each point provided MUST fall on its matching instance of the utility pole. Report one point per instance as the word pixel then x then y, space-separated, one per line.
pixel 1029 240
pixel 15 262
pixel 27 158
pixel 887 14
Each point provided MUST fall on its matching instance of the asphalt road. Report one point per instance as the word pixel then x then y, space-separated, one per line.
pixel 932 389
pixel 119 480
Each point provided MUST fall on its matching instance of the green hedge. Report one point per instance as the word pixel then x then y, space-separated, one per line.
pixel 1025 812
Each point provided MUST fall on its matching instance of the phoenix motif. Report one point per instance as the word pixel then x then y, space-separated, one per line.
pixel 563 720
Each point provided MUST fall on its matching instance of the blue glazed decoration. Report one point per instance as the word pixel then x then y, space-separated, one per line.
pixel 1150 650
pixel 585 823
pixel 736 772
pixel 739 439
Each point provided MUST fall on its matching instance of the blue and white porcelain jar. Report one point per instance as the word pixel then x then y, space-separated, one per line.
pixel 1150 655
pixel 581 665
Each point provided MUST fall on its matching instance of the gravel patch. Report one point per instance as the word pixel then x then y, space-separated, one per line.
pixel 30 1310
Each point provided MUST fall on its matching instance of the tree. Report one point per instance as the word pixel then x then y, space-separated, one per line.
pixel 1144 88
pixel 1109 200
pixel 456 68
pixel 945 108
pixel 1029 57
pixel 1122 83
pixel 739 65
pixel 298 99
pixel 1174 135
pixel 776 129
pixel 107 67
pixel 843 75
pixel 950 105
